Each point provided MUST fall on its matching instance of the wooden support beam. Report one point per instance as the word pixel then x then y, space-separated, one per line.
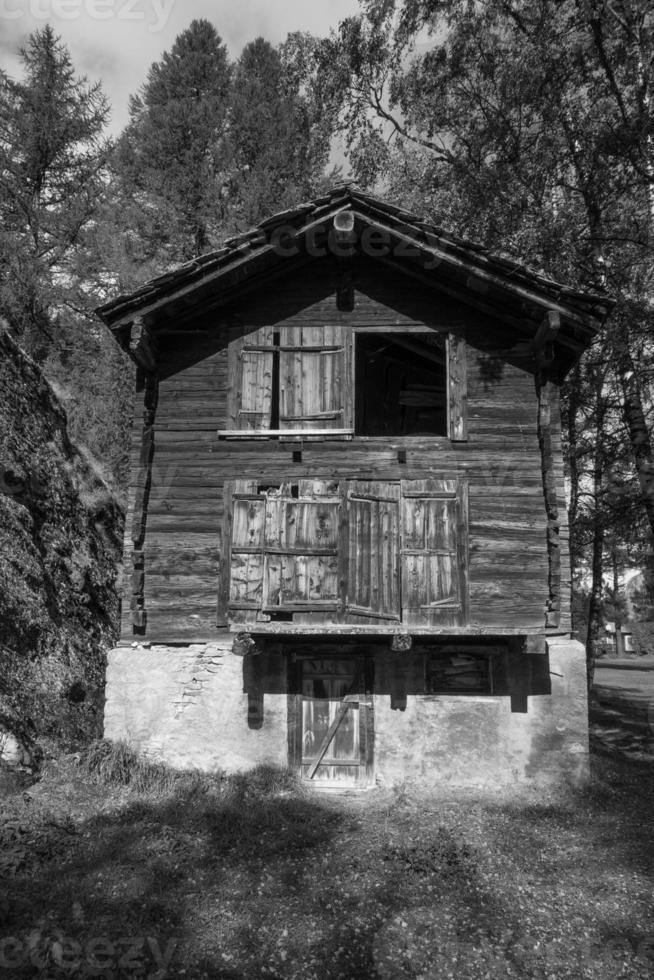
pixel 545 337
pixel 457 386
pixel 140 513
pixel 142 345
pixel 544 388
pixel 423 351
pixel 468 274
pixel 353 630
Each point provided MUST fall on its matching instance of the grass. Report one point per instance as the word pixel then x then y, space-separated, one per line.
pixel 117 867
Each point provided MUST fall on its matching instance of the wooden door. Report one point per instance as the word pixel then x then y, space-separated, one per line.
pixel 336 722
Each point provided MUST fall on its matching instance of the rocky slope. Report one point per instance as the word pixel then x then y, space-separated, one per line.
pixel 60 539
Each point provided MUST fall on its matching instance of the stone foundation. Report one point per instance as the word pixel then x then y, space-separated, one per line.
pixel 186 707
pixel 473 741
pixel 194 707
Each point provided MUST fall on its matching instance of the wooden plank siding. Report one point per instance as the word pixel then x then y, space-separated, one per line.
pixel 499 461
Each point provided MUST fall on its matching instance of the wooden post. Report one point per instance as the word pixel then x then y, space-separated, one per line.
pixel 140 515
pixel 457 385
pixel 142 346
pixel 544 388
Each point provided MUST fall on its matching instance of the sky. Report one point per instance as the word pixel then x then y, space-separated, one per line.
pixel 116 41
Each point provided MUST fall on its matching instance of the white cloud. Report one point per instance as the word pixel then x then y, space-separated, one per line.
pixel 116 41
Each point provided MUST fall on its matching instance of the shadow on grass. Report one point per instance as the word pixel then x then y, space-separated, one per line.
pixel 251 877
pixel 144 889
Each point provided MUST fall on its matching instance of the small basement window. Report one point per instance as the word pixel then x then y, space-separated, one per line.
pixel 458 673
pixel 400 385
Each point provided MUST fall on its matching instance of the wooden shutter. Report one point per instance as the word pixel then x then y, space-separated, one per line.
pixel 251 380
pixel 301 548
pixel 373 560
pixel 243 560
pixel 314 380
pixel 457 386
pixel 434 553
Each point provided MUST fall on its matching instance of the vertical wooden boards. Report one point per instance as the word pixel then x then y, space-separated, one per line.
pixel 432 558
pixel 301 542
pixel 249 397
pixel 292 378
pixel 373 550
pixel 336 720
pixel 401 554
pixel 247 547
pixel 283 547
pixel 312 377
pixel 457 386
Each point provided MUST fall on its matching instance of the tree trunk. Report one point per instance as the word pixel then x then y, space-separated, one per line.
pixel 597 564
pixel 571 406
pixel 634 416
pixel 619 642
pixel 595 606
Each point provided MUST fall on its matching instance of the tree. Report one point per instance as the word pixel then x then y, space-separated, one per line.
pixel 278 133
pixel 528 126
pixel 170 156
pixel 52 167
pixel 211 148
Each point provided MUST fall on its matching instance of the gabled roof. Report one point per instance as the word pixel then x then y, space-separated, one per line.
pixel 539 308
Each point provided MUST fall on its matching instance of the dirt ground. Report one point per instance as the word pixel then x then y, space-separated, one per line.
pixel 622 710
pixel 253 877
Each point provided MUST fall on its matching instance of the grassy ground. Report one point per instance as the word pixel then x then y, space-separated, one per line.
pixel 244 878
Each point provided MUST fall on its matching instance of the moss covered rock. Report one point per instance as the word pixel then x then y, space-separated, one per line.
pixel 60 540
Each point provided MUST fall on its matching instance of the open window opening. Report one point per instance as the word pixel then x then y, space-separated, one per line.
pixel 400 385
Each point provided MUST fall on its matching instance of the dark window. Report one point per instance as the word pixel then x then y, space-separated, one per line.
pixel 401 385
pixel 458 673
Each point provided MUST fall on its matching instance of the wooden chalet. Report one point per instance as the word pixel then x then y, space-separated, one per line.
pixel 347 546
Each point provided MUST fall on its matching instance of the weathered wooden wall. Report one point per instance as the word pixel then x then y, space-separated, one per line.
pixel 184 475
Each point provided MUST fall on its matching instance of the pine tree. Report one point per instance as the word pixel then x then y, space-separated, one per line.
pixel 278 134
pixel 170 156
pixel 52 160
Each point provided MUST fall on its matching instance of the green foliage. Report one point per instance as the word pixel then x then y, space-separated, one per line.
pixel 52 166
pixel 169 157
pixel 527 126
pixel 642 635
pixel 277 138
pixel 211 148
pixel 116 763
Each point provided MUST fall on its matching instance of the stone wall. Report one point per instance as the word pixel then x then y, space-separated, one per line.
pixel 479 740
pixel 189 706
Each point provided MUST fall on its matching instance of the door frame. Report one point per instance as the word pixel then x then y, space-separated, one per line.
pixel 360 700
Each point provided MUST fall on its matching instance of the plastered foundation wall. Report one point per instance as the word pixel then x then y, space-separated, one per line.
pixel 187 706
pixel 479 740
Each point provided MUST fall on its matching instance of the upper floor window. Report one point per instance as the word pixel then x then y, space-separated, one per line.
pixel 328 380
pixel 400 384
pixel 291 379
